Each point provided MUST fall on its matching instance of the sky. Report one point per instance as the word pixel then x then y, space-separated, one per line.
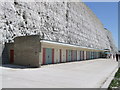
pixel 107 12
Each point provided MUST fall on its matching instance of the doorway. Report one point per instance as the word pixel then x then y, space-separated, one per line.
pixel 11 56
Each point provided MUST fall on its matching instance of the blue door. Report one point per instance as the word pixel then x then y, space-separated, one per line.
pixel 48 56
pixel 69 55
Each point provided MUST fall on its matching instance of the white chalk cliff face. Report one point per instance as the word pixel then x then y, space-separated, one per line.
pixel 66 22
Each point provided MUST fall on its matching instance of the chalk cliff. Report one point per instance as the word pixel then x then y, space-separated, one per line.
pixel 67 22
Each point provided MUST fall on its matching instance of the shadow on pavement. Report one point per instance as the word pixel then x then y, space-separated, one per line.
pixel 16 66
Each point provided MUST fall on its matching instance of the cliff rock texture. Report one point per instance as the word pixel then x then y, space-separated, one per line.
pixel 67 22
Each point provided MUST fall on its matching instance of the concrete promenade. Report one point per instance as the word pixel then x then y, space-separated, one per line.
pixel 81 74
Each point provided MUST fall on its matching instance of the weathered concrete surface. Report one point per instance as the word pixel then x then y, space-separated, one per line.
pixel 109 79
pixel 6 52
pixel 27 51
pixel 1 53
pixel 85 74
pixel 10 46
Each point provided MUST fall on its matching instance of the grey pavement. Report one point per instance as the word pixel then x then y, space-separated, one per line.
pixel 81 74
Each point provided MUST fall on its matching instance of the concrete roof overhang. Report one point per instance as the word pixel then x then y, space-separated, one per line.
pixel 69 45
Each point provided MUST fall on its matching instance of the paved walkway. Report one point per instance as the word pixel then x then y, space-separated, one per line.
pixel 82 74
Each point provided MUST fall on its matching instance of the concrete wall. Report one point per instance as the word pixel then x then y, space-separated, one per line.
pixel 6 52
pixel 1 49
pixel 27 51
pixel 10 46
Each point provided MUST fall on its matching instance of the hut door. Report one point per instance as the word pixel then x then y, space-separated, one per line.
pixel 48 56
pixel 11 56
pixel 69 55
